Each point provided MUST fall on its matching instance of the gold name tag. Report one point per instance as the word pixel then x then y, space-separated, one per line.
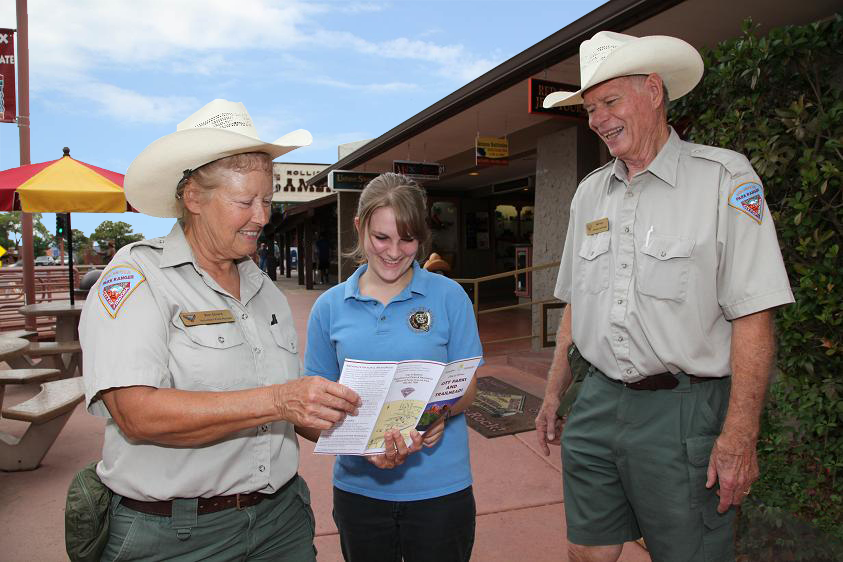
pixel 596 227
pixel 206 317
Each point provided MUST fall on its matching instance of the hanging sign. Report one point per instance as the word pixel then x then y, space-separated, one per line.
pixel 8 108
pixel 345 180
pixel 290 185
pixel 423 171
pixel 539 89
pixel 491 151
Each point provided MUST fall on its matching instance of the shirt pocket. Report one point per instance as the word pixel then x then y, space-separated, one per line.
pixel 213 356
pixel 594 263
pixel 664 267
pixel 285 337
pixel 285 357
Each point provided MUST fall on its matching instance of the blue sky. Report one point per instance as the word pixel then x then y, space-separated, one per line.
pixel 108 77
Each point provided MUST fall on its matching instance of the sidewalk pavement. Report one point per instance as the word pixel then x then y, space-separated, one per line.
pixel 520 513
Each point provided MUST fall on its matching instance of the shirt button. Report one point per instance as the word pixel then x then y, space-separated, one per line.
pixel 261 468
pixel 629 371
pixel 620 301
pixel 620 338
pixel 244 316
pixel 221 339
pixel 591 253
pixel 662 253
pixel 383 317
pixel 623 266
pixel 258 349
pixel 626 229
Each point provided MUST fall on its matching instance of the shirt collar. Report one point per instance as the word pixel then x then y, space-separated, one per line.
pixel 418 284
pixel 664 166
pixel 177 251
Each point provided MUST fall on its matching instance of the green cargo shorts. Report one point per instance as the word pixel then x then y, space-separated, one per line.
pixel 280 527
pixel 635 462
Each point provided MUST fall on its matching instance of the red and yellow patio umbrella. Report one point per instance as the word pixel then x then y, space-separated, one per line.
pixel 62 186
pixel 65 185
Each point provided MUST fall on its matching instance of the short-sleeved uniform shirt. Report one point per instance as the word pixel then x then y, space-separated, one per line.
pixel 147 322
pixel 347 325
pixel 688 246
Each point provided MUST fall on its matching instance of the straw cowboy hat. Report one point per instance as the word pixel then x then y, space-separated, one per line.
pixel 221 128
pixel 610 55
pixel 436 263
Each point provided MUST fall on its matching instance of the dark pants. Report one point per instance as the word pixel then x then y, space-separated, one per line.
pixel 435 530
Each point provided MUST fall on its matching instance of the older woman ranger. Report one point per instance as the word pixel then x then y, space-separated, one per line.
pixel 191 355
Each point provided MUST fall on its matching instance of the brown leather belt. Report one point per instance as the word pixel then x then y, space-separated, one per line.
pixel 204 505
pixel 662 381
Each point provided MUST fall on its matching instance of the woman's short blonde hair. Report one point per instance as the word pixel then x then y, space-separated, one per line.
pixel 408 201
pixel 207 177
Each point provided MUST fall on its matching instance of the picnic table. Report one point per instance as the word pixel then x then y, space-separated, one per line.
pixel 46 413
pixel 65 352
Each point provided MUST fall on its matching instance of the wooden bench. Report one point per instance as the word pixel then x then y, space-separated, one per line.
pixel 47 413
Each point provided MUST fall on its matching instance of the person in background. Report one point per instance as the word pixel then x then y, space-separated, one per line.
pixel 263 255
pixel 192 359
pixel 422 507
pixel 323 256
pixel 671 271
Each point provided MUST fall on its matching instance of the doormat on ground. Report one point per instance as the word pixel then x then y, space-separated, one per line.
pixel 501 409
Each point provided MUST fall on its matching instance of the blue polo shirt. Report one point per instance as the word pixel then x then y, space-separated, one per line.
pixel 345 324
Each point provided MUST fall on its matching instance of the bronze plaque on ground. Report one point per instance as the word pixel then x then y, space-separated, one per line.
pixel 501 409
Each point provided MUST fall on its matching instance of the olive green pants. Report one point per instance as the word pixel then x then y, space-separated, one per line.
pixel 634 463
pixel 280 527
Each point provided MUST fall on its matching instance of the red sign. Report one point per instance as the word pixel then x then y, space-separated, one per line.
pixel 539 89
pixel 7 76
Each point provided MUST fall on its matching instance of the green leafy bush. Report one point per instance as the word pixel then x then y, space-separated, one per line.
pixel 777 99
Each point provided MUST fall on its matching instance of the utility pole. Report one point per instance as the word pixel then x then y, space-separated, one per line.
pixel 22 59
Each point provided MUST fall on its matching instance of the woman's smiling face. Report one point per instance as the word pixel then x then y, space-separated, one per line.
pixel 389 253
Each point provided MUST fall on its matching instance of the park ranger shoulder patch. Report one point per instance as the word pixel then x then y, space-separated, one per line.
pixel 748 198
pixel 116 285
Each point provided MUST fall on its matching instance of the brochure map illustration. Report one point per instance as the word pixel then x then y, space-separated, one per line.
pixel 399 395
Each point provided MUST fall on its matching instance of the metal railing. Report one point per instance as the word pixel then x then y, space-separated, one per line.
pixel 546 304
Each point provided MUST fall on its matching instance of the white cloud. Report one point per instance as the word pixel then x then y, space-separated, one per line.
pixel 77 47
pixel 387 87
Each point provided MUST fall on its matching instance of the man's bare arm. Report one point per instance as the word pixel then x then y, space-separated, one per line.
pixel 559 378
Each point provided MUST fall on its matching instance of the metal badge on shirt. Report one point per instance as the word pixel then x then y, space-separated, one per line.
pixel 598 226
pixel 116 285
pixel 748 198
pixel 420 320
pixel 206 317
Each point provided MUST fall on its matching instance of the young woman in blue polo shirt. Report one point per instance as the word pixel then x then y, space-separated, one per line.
pixel 415 502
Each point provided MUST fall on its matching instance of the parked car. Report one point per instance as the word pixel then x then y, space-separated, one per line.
pixel 44 260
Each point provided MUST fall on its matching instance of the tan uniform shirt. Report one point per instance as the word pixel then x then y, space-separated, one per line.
pixel 140 327
pixel 688 246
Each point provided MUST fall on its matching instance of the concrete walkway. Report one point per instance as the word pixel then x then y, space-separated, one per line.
pixel 520 514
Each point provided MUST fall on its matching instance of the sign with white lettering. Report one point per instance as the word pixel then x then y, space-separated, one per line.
pixel 289 181
pixel 345 180
pixel 8 107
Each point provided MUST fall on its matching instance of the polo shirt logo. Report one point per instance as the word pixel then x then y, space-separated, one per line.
pixel 420 320
pixel 748 198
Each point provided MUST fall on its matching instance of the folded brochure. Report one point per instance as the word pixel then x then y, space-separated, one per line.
pixel 398 395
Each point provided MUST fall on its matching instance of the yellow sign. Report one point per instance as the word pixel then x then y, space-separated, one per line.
pixel 491 151
pixel 2 253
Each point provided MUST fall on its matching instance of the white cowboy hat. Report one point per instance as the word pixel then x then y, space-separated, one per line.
pixel 610 55
pixel 221 128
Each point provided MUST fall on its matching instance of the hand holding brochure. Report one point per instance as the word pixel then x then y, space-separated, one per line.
pixel 399 395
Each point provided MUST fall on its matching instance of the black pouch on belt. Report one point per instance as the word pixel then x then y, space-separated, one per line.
pixel 579 368
pixel 86 517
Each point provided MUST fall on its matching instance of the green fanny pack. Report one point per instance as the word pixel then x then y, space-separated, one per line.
pixel 86 517
pixel 579 368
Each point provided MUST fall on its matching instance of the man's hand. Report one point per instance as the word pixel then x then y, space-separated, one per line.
pixel 548 425
pixel 314 402
pixel 396 450
pixel 735 467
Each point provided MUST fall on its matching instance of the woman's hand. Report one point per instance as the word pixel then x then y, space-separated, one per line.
pixel 434 433
pixel 396 450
